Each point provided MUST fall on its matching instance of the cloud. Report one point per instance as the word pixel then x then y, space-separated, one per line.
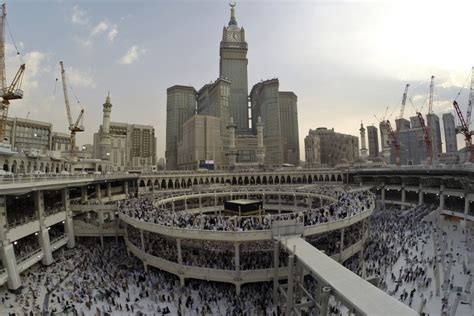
pixel 112 34
pixel 79 78
pixel 132 55
pixel 33 61
pixel 84 42
pixel 79 16
pixel 100 28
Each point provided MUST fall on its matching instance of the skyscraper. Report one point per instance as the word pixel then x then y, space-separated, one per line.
pixel 432 121
pixel 272 138
pixel 180 106
pixel 233 66
pixel 450 133
pixel 373 140
pixel 289 124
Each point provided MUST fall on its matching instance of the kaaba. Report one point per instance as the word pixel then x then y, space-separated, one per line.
pixel 243 207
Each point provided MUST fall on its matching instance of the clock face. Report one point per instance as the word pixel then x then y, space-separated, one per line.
pixel 233 36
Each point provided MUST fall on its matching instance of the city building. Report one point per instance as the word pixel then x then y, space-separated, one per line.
pixel 289 124
pixel 61 142
pixel 312 147
pixel 28 136
pixel 373 141
pixel 449 127
pixel 328 148
pixel 180 106
pixel 201 142
pixel 129 147
pixel 227 98
pixel 363 149
pixel 432 121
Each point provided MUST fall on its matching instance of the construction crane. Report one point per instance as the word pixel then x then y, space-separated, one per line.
pixel 404 101
pixel 464 127
pixel 76 126
pixel 13 91
pixel 426 138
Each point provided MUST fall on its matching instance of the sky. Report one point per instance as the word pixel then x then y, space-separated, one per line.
pixel 347 61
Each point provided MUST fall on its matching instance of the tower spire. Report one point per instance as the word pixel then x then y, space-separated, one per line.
pixel 232 21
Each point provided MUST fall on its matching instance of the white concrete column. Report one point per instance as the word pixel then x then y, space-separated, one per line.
pixel 289 293
pixel 100 216
pixel 237 259
pixel 45 244
pixel 172 205
pixel 185 204
pixel 68 224
pixel 142 240
pixel 43 234
pixel 466 206
pixel 441 197
pixel 276 264
pixel 9 262
pixel 84 194
pixel 294 201
pixel 325 301
pixel 109 190
pixel 180 262
pixel 215 201
pixel 180 254
pixel 98 191
pixel 125 188
pixel 3 218
pixel 279 203
pixel 341 245
pixel 421 197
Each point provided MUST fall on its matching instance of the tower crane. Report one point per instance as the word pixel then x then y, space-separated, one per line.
pixel 426 138
pixel 76 126
pixel 13 91
pixel 464 127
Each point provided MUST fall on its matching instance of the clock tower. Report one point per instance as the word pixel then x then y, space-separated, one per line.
pixel 233 66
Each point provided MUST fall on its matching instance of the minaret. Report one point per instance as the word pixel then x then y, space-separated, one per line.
pixel 363 151
pixel 260 150
pixel 232 152
pixel 105 135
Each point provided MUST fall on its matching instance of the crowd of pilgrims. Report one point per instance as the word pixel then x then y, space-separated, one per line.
pixel 94 280
pixel 397 253
pixel 221 255
pixel 142 208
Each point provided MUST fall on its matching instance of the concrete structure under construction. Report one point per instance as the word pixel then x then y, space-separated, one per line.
pixel 450 140
pixel 373 141
pixel 411 139
pixel 227 98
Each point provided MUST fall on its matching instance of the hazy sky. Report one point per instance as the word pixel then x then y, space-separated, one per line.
pixel 346 60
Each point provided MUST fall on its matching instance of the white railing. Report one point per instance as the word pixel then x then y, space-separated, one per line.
pixel 23 221
pixel 28 256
